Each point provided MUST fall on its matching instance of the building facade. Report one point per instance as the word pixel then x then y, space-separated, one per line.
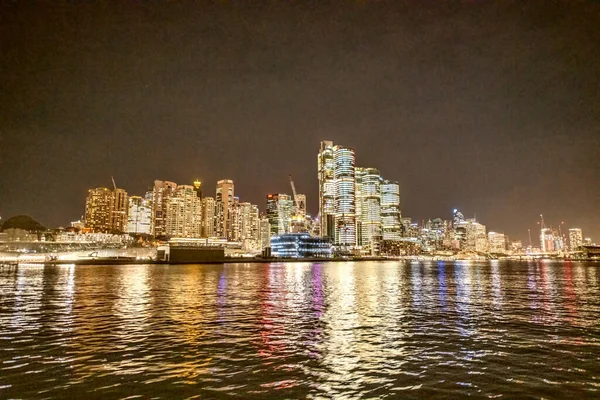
pixel 344 196
pixel 390 210
pixel 300 245
pixel 184 213
pixel 368 209
pixel 325 168
pixel 279 212
pixel 208 217
pixel 106 210
pixel 161 192
pixel 139 216
pixel 223 203
pixel 575 239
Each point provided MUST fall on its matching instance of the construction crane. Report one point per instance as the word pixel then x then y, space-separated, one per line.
pixel 296 202
pixel 298 220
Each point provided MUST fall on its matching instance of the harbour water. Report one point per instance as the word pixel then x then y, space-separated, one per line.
pixel 297 330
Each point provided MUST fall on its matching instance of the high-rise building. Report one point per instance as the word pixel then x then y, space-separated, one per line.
pixel 476 239
pixel 139 218
pixel 575 239
pixel 368 208
pixel 326 190
pixel 390 210
pixel 223 202
pixel 198 188
pixel 546 240
pixel 344 196
pixel 119 211
pixel 301 200
pixel 184 213
pixel 106 210
pixel 208 217
pixel 234 221
pixel 160 194
pixel 264 233
pixel 98 210
pixel 249 226
pixel 279 212
pixel 497 242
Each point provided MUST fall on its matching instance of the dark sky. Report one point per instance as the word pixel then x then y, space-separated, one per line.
pixel 491 107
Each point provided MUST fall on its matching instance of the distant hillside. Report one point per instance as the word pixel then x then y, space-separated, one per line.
pixel 23 222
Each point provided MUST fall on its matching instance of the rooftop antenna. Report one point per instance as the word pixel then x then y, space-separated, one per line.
pixel 113 181
pixel 529 233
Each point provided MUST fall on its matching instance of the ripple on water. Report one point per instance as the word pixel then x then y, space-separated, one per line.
pixel 390 329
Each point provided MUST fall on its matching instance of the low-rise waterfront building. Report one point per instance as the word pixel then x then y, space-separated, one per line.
pixel 300 245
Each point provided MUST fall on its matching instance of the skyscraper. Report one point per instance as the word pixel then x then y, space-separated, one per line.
pixel 184 213
pixel 235 220
pixel 223 202
pixel 139 216
pixel 546 240
pixel 344 196
pixel 368 208
pixel 264 233
pixel 106 210
pixel 208 217
pixel 301 200
pixel 198 188
pixel 160 193
pixel 326 189
pixel 279 211
pixel 118 214
pixel 497 242
pixel 575 239
pixel 98 210
pixel 390 210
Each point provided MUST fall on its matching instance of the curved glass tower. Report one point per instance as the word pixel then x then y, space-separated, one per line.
pixel 390 210
pixel 344 196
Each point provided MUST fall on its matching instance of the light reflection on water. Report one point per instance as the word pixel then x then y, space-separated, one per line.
pixel 364 329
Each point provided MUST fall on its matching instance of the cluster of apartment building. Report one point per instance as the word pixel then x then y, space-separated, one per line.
pixel 174 210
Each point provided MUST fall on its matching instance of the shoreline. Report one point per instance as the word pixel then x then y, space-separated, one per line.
pixel 274 260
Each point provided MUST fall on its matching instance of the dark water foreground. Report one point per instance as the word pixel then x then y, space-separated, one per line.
pixel 333 330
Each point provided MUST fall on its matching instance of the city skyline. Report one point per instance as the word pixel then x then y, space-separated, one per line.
pixel 481 113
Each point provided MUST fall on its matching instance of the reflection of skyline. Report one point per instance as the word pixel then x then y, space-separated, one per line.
pixel 335 323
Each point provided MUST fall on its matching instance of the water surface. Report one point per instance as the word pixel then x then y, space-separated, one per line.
pixel 343 330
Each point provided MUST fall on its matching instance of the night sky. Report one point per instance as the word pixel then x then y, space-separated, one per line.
pixel 491 107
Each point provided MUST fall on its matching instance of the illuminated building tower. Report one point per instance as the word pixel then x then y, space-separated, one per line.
pixel 368 208
pixel 106 210
pixel 98 209
pixel 301 199
pixel 344 200
pixel 546 240
pixel 184 213
pixel 476 239
pixel 280 208
pixel 119 211
pixel 264 233
pixel 575 239
pixel 497 242
pixel 208 217
pixel 139 217
pixel 223 202
pixel 390 210
pixel 249 226
pixel 326 189
pixel 235 218
pixel 160 194
pixel 198 188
